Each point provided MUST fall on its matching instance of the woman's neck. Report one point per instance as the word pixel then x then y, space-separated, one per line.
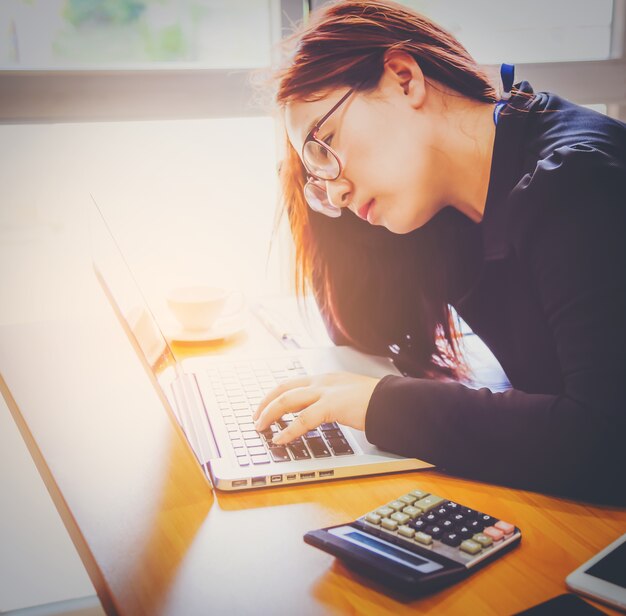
pixel 468 136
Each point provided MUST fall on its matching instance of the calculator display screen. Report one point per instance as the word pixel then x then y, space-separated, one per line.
pixel 388 549
pixel 612 568
pixel 385 549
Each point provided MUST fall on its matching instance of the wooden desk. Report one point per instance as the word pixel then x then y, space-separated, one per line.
pixel 156 540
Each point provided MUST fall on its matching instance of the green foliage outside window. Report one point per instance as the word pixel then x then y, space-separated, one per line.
pixel 78 12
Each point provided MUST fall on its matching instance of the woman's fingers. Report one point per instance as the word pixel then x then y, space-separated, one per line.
pixel 311 417
pixel 277 391
pixel 290 401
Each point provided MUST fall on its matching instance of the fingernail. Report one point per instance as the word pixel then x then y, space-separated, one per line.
pixel 257 424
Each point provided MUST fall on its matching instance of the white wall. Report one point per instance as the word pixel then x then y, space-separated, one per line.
pixel 188 200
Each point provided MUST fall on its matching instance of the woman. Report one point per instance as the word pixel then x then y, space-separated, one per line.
pixel 409 188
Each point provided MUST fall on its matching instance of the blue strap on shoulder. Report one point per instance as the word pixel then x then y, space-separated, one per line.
pixel 507 76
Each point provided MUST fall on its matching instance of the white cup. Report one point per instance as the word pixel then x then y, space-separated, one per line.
pixel 197 308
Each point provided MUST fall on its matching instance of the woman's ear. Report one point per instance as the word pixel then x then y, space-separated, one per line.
pixel 401 70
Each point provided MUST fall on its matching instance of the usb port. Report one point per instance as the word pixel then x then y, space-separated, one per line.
pixel 290 477
pixel 307 475
pixel 327 473
pixel 259 481
pixel 240 482
pixel 276 478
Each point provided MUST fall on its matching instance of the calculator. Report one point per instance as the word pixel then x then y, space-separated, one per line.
pixel 419 542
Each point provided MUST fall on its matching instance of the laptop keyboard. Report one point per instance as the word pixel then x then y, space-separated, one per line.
pixel 237 389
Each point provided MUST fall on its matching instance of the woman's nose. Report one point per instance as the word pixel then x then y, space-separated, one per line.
pixel 339 192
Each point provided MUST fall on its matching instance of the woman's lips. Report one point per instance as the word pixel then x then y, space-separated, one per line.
pixel 364 209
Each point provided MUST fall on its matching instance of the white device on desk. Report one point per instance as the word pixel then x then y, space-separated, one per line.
pixel 213 398
pixel 603 577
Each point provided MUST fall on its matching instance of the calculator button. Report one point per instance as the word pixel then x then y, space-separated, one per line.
pixel 428 502
pixel 453 539
pixel 409 499
pixel 384 511
pixel 465 532
pixel 418 524
pixel 401 518
pixel 373 518
pixel 423 538
pixel 486 520
pixel 389 524
pixel 447 525
pixel 431 518
pixel 475 526
pixel 470 546
pixel 484 540
pixel 411 511
pixel 495 533
pixel 434 531
pixel 396 505
pixel 505 527
pixel 442 512
pixel 458 518
pixel 418 493
pixel 406 531
pixel 453 506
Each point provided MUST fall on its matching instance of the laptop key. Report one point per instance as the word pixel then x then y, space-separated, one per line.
pixel 261 459
pixel 279 454
pixel 254 442
pixel 332 433
pixel 318 447
pixel 255 451
pixel 325 427
pixel 340 446
pixel 298 450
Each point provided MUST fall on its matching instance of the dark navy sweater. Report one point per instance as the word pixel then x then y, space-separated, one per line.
pixel 542 280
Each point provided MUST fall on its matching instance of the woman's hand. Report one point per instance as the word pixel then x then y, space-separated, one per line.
pixel 340 396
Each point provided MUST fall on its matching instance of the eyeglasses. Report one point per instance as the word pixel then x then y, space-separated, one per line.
pixel 323 165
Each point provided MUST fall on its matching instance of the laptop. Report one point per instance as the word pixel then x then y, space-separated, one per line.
pixel 213 398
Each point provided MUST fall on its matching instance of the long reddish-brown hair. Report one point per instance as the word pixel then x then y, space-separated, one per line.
pixel 375 289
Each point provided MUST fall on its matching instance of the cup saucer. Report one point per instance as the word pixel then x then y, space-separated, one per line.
pixel 223 328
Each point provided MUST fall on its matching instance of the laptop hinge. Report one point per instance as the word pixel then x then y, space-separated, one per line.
pixel 194 419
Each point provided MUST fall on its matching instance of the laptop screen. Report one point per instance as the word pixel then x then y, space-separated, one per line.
pixel 125 294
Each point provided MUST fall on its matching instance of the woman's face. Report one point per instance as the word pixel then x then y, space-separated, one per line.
pixel 391 172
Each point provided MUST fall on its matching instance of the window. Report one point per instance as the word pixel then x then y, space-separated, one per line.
pixel 524 32
pixel 62 34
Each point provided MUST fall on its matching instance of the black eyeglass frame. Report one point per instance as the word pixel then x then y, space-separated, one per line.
pixel 315 182
pixel 312 136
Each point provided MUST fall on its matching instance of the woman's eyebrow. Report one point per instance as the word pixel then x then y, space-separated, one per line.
pixel 312 125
